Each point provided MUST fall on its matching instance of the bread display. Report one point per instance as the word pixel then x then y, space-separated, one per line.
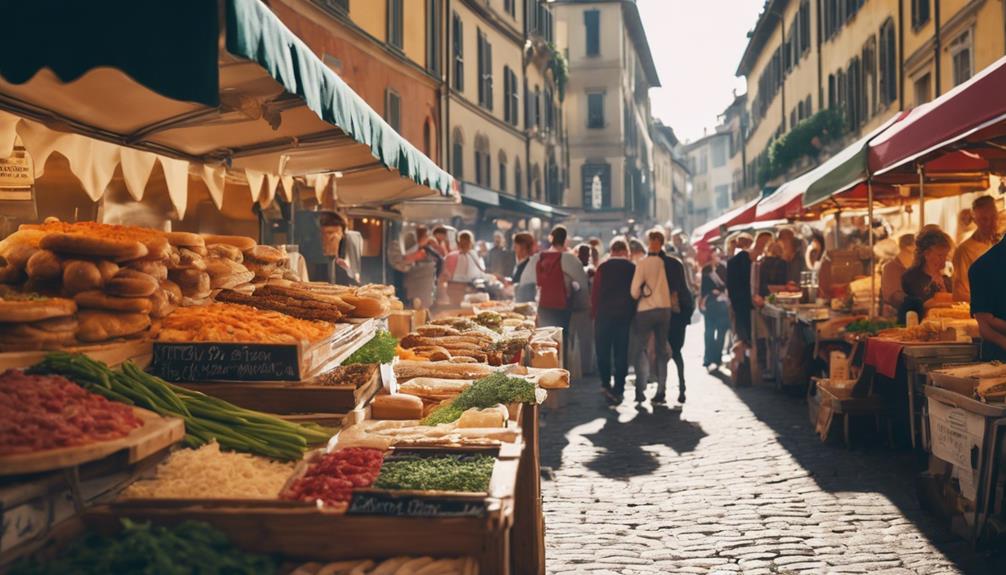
pixel 292 301
pixel 243 243
pixel 97 299
pixel 100 325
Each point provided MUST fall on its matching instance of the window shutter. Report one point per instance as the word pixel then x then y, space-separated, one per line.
pixel 592 22
pixel 489 75
pixel 480 66
pixel 506 92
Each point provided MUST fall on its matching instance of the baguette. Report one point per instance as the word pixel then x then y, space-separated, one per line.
pixel 365 306
pixel 185 239
pixel 17 310
pixel 408 369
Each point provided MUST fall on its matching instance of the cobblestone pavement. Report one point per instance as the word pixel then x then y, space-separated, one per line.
pixel 735 482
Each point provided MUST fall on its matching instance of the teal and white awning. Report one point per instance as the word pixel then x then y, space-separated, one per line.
pixel 223 86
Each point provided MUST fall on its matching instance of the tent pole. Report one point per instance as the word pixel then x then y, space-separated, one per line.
pixel 922 196
pixel 873 271
pixel 838 233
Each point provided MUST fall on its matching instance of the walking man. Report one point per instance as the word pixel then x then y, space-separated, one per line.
pixel 612 306
pixel 653 316
pixel 714 304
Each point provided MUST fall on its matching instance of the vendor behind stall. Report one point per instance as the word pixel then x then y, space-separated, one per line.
pixel 985 215
pixel 892 295
pixel 987 277
pixel 334 244
pixel 925 284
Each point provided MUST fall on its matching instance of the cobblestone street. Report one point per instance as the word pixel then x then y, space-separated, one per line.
pixel 736 482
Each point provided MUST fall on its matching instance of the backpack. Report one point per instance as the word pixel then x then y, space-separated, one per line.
pixel 551 281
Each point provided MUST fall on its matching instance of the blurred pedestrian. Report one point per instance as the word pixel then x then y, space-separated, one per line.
pixel 653 316
pixel 715 305
pixel 461 267
pixel 612 307
pixel 523 276
pixel 500 260
pixel 637 251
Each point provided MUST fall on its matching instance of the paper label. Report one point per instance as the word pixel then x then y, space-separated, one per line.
pixel 957 434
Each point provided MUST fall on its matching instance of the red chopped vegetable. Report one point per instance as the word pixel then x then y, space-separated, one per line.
pixel 333 476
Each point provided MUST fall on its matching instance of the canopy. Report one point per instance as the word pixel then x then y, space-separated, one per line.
pixel 841 173
pixel 241 92
pixel 975 106
pixel 739 215
pixel 497 204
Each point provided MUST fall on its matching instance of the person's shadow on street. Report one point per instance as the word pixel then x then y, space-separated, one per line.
pixel 621 444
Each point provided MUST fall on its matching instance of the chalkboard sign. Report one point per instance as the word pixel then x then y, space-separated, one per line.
pixel 396 505
pixel 192 362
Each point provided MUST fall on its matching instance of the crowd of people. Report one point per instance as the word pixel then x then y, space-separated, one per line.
pixel 626 306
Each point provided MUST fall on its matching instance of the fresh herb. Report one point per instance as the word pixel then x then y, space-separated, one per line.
pixel 436 473
pixel 490 319
pixel 486 392
pixel 443 414
pixel 206 417
pixel 380 349
pixel 189 547
pixel 869 326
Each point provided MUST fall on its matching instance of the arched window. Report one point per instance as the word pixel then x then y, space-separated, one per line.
pixel 502 166
pixel 518 178
pixel 536 182
pixel 483 161
pixel 458 154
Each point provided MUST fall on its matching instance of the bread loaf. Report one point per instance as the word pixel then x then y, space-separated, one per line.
pixel 97 299
pixel 226 252
pixel 265 255
pixel 185 239
pixel 193 282
pixel 131 283
pixel 91 246
pixel 241 242
pixel 398 406
pixel 154 269
pixel 495 416
pixel 80 275
pixel 108 269
pixel 44 265
pixel 97 325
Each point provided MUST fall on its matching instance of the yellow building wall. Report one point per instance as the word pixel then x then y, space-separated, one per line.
pixel 414 34
pixel 371 16
pixel 988 45
pixel 505 53
pixel 802 78
pixel 767 125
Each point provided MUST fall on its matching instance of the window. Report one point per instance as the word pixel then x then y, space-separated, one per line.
pixel 392 109
pixel 483 163
pixel 510 7
pixel 485 69
pixel 719 152
pixel 433 36
pixel 595 110
pixel 923 89
pixel 518 178
pixel 808 107
pixel 870 77
pixel 961 50
pixel 722 195
pixel 428 138
pixel 549 111
pixel 804 17
pixel 458 157
pixel 592 24
pixel 596 185
pixel 458 43
pixel 502 178
pixel 395 23
pixel 888 63
pixel 536 182
pixel 510 99
pixel 792 118
pixel 920 13
pixel 339 5
pixel 537 108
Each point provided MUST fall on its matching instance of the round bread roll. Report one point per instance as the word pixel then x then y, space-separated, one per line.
pixel 90 246
pixel 265 254
pixel 188 259
pixel 108 269
pixel 225 251
pixel 154 269
pixel 193 283
pixel 18 255
pixel 241 242
pixel 10 273
pixel 80 275
pixel 172 291
pixel 21 311
pixel 131 283
pixel 159 304
pixel 97 299
pixel 97 325
pixel 184 239
pixel 44 265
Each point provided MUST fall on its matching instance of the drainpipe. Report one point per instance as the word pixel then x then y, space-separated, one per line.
pixel 937 44
pixel 820 65
pixel 901 55
pixel 448 69
pixel 782 84
pixel 527 129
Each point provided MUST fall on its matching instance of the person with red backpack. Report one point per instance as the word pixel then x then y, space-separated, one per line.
pixel 561 281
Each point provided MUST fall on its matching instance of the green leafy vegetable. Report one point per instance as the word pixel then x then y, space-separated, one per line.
pixel 869 326
pixel 189 547
pixel 206 417
pixel 380 349
pixel 486 392
pixel 452 472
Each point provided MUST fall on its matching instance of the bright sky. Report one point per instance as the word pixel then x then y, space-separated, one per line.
pixel 696 45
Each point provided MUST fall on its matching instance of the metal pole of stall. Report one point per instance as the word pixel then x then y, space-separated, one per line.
pixel 873 272
pixel 922 196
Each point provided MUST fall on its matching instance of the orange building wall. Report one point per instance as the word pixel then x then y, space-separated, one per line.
pixel 368 69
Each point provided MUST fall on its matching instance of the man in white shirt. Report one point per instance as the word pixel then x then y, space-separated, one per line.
pixel 653 316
